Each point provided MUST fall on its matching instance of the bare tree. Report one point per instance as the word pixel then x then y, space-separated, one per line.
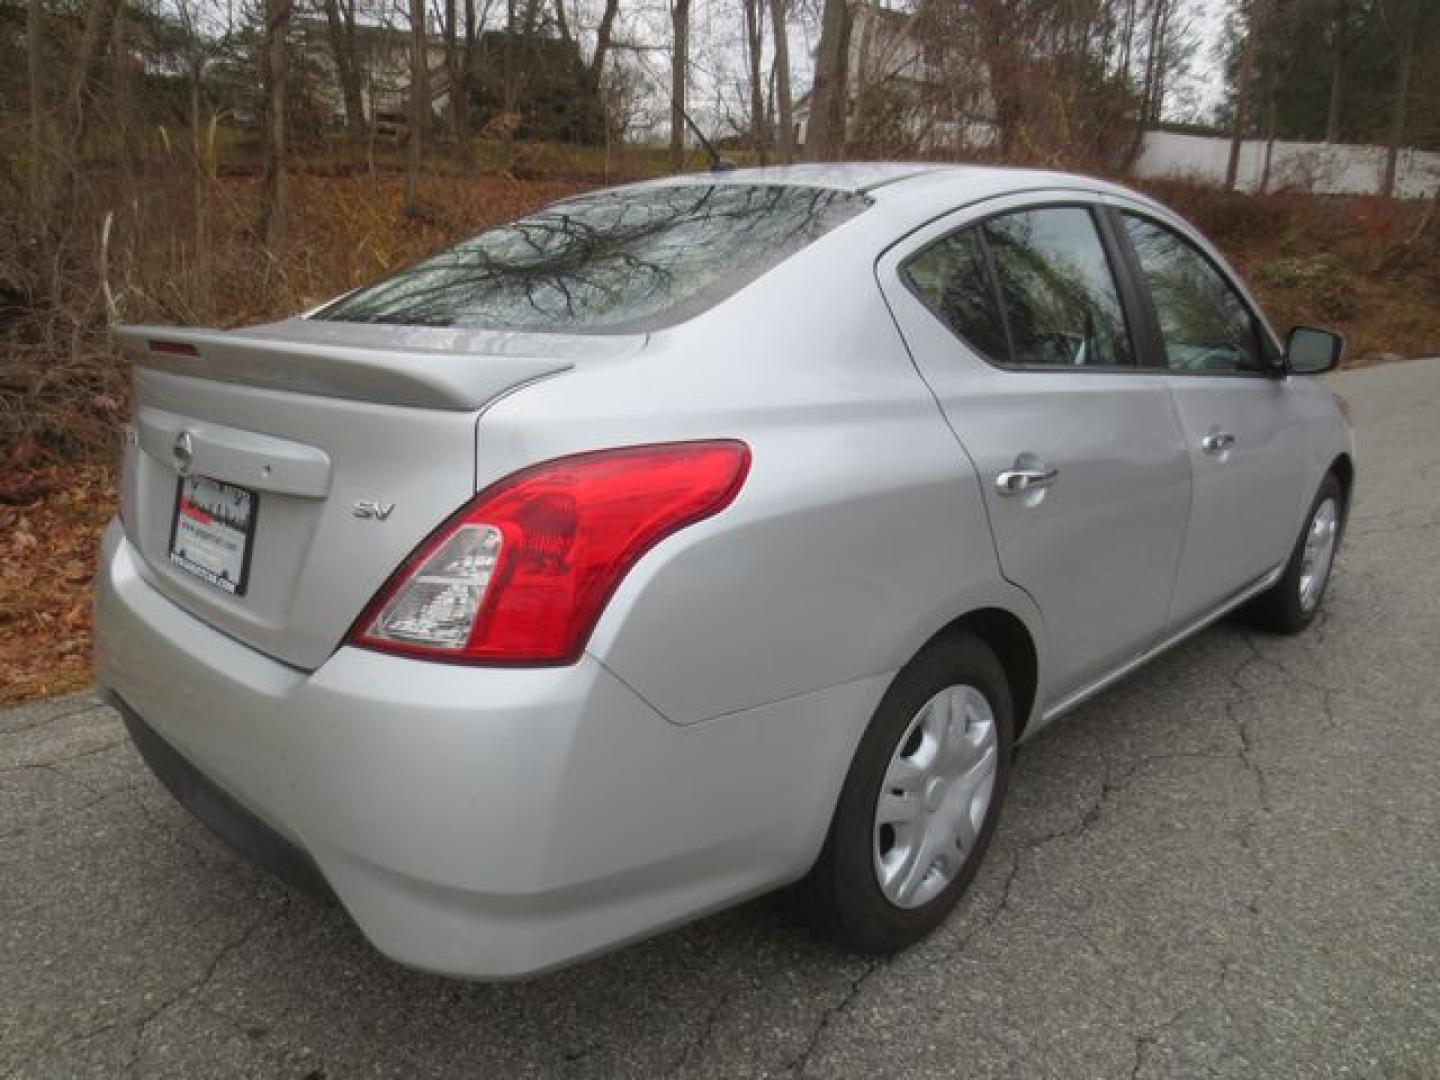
pixel 99 16
pixel 419 105
pixel 196 56
pixel 1337 70
pixel 1406 23
pixel 340 25
pixel 679 62
pixel 1127 37
pixel 461 78
pixel 825 135
pixel 520 24
pixel 34 28
pixel 602 40
pixel 1004 30
pixel 277 74
pixel 1242 92
pixel 1150 87
pixel 785 106
pixel 476 19
pixel 754 47
pixel 1271 122
pixel 455 76
pixel 507 56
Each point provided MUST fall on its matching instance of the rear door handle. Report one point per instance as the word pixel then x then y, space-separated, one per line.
pixel 1217 442
pixel 1017 481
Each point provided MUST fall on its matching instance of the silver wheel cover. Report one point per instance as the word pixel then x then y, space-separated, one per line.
pixel 935 795
pixel 1318 553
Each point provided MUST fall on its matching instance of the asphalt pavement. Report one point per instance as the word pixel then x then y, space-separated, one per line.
pixel 1228 865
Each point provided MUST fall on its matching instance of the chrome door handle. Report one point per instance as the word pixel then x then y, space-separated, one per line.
pixel 1020 480
pixel 1217 442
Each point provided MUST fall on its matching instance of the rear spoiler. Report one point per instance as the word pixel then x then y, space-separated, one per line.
pixel 462 371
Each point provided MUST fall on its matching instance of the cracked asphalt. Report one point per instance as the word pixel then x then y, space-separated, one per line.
pixel 1229 865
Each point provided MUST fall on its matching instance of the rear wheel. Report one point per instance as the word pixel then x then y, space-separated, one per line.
pixel 921 800
pixel 1289 606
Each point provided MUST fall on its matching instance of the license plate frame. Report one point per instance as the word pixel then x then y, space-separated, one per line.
pixel 212 531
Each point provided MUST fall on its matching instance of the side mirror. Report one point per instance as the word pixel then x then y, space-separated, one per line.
pixel 1309 351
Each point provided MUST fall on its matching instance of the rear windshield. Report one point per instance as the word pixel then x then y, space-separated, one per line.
pixel 613 262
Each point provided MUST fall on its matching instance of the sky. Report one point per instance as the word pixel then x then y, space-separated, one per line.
pixel 1203 82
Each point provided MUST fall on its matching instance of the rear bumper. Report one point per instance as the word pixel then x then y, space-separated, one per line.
pixel 481 822
pixel 226 818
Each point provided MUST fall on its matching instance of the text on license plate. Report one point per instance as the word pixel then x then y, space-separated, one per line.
pixel 212 531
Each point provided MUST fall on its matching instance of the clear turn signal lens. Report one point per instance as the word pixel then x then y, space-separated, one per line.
pixel 437 605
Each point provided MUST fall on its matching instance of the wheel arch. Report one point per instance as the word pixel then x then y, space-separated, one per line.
pixel 1014 645
pixel 1344 470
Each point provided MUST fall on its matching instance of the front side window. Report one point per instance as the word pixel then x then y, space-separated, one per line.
pixel 1205 324
pixel 614 262
pixel 1057 290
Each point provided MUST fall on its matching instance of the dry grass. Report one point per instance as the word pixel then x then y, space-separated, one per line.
pixel 63 388
pixel 48 549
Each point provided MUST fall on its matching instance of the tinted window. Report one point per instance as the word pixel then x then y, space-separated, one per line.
pixel 951 277
pixel 1205 324
pixel 615 261
pixel 1059 295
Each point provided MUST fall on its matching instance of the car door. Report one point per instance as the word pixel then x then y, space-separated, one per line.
pixel 1241 424
pixel 1016 320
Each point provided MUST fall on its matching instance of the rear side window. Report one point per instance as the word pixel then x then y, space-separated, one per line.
pixel 1032 288
pixel 951 277
pixel 1203 321
pixel 1060 299
pixel 616 262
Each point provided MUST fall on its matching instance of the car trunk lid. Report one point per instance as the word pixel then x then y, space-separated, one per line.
pixel 342 446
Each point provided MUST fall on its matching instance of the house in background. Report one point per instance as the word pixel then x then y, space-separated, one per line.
pixel 382 54
pixel 902 94
pixel 538 80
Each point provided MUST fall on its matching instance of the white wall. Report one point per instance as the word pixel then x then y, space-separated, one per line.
pixel 1320 168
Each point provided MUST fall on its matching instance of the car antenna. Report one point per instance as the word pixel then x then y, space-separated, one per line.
pixel 717 163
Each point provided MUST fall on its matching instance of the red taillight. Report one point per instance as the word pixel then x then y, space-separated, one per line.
pixel 521 574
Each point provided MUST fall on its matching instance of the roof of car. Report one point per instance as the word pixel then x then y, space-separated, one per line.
pixel 865 177
pixel 853 176
pixel 913 189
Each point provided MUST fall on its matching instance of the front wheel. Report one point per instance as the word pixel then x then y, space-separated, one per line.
pixel 1290 605
pixel 921 799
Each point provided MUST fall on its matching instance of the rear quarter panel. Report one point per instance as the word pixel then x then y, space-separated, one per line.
pixel 860 531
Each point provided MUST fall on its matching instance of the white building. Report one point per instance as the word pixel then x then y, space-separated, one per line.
pixel 903 87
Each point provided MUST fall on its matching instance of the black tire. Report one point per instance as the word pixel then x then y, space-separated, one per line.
pixel 843 884
pixel 1278 609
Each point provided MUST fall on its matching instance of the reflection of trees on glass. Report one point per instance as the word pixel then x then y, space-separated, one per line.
pixel 1055 283
pixel 620 260
pixel 952 278
pixel 1204 323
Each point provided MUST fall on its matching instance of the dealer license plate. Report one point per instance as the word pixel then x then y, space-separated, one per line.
pixel 213 531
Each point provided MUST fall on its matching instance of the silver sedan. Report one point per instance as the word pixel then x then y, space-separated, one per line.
pixel 684 540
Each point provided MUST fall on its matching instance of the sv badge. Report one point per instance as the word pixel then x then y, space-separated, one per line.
pixel 372 510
